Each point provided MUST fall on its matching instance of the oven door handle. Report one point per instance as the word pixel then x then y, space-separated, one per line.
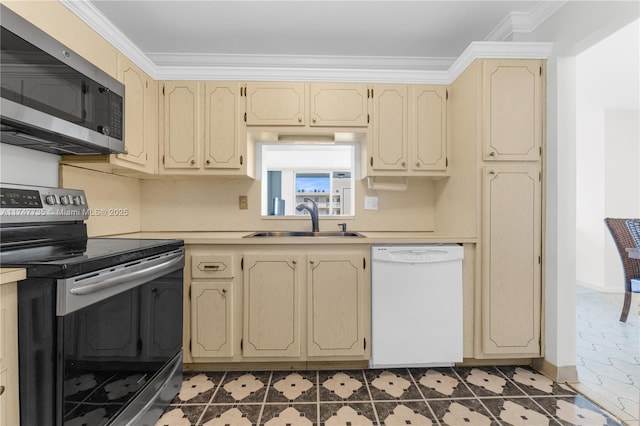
pixel 97 283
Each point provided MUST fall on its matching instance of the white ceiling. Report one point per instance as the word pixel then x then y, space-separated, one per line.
pixel 239 39
pixel 334 28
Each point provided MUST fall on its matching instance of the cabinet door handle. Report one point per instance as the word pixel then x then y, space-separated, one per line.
pixel 241 160
pixel 492 154
pixel 491 172
pixel 208 162
pixel 417 164
pixel 224 291
pixel 1 389
pixel 295 262
pixel 404 164
pixel 371 161
pixel 126 152
pixel 193 162
pixel 314 119
pixel 312 262
pixel 299 119
pixel 214 267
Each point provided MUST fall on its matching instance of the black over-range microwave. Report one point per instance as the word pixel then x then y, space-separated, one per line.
pixel 52 99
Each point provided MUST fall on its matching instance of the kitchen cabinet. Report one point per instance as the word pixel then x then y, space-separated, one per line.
pixel 307 104
pixel 512 108
pixel 275 104
pixel 428 128
pixel 9 402
pixel 212 305
pixel 182 134
pixel 141 118
pixel 338 105
pixel 511 260
pixel 272 298
pixel 202 131
pixel 335 305
pixel 288 304
pixel 389 144
pixel 409 131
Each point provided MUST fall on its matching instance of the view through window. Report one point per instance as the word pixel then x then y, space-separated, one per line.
pixel 295 173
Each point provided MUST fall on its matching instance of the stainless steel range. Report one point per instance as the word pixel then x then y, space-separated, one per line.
pixel 99 319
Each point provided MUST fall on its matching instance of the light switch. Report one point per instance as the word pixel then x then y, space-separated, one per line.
pixel 371 203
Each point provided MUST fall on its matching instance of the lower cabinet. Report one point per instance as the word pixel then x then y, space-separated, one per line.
pixel 271 308
pixel 212 319
pixel 9 395
pixel 511 264
pixel 286 305
pixel 335 305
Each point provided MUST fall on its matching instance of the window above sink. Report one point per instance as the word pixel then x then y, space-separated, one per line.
pixel 294 171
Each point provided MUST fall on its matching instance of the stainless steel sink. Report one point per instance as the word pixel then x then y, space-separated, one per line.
pixel 304 234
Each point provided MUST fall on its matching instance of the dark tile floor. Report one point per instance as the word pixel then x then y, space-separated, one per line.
pixel 420 396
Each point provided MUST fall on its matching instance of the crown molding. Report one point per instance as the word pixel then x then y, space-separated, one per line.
pixel 524 22
pixel 498 50
pixel 374 69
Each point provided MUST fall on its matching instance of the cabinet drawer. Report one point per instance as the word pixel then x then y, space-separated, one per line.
pixel 212 266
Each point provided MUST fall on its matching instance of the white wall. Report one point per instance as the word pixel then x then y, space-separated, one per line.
pixel 608 153
pixel 28 167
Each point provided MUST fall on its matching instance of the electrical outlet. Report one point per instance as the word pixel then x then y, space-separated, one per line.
pixel 243 202
pixel 371 203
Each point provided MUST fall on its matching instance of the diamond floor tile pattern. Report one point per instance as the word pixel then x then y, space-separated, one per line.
pixel 421 396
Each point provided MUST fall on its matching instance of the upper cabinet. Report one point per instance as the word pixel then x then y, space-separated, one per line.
pixel 202 131
pixel 141 119
pixel 307 104
pixel 338 105
pixel 512 110
pixel 275 104
pixel 409 130
pixel 388 147
pixel 428 128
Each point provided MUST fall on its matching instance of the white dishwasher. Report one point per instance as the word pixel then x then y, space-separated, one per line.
pixel 416 305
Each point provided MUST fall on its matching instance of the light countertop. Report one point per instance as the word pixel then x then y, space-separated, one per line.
pixel 10 275
pixel 236 237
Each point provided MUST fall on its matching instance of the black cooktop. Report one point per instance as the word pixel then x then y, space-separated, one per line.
pixel 77 257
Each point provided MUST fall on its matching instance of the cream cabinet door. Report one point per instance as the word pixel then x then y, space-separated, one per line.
pixel 338 105
pixel 182 127
pixel 222 125
pixel 428 124
pixel 272 297
pixel 141 116
pixel 211 319
pixel 511 261
pixel 275 104
pixel 512 110
pixel 335 305
pixel 390 130
pixel 9 381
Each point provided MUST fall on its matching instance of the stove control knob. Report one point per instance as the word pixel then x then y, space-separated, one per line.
pixel 51 200
pixel 65 199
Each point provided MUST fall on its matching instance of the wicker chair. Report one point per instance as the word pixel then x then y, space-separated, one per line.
pixel 623 240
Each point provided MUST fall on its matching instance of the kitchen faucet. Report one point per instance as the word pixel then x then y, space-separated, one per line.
pixel 312 211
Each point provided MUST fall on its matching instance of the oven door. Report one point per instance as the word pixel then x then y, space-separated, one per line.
pixel 118 329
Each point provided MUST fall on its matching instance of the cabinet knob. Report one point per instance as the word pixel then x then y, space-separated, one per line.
pixel 295 262
pixel 126 152
pixel 404 164
pixel 492 172
pixel 208 162
pixel 314 119
pixel 224 291
pixel 299 119
pixel 492 154
pixel 193 162
pixel 1 389
pixel 417 164
pixel 312 262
